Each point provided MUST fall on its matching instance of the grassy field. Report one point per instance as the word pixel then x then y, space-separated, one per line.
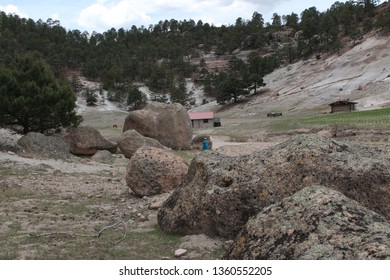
pixel 104 121
pixel 373 119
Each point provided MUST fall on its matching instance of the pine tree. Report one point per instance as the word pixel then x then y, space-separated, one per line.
pixel 135 97
pixel 31 97
pixel 179 92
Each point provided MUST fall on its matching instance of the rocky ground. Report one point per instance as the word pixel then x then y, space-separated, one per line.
pixel 80 209
pixel 77 208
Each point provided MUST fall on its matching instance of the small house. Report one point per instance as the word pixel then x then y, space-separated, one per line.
pixel 342 106
pixel 202 119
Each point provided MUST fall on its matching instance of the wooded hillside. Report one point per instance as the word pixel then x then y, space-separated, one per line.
pixel 162 55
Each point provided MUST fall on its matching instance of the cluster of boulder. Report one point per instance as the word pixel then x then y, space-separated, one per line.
pixel 310 197
pixel 220 195
pixel 80 141
pixel 147 139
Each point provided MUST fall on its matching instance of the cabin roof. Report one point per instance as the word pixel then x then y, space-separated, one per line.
pixel 342 102
pixel 201 115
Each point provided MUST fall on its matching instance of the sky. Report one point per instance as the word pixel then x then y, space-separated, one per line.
pixel 102 15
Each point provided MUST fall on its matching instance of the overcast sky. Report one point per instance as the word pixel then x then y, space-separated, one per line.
pixel 101 15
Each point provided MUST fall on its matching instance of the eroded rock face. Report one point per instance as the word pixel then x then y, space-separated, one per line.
pixel 9 140
pixel 168 124
pixel 87 141
pixel 131 141
pixel 35 144
pixel 153 171
pixel 220 193
pixel 316 223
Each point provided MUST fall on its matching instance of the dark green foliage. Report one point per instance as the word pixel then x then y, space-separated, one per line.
pixel 157 55
pixel 231 88
pixel 135 97
pixel 310 19
pixel 30 96
pixel 90 97
pixel 291 20
pixel 179 92
pixel 383 19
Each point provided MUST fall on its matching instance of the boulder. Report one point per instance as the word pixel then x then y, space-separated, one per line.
pixel 220 193
pixel 35 144
pixel 316 223
pixel 168 124
pixel 131 141
pixel 103 156
pixel 197 142
pixel 87 141
pixel 9 140
pixel 153 171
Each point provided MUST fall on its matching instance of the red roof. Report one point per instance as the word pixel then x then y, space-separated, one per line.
pixel 201 115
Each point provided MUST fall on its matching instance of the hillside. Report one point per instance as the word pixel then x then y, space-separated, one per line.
pixel 360 74
pixel 306 88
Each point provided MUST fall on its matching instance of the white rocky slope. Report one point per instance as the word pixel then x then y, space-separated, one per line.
pixel 361 74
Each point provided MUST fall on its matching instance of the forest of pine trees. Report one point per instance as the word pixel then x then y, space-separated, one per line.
pixel 161 55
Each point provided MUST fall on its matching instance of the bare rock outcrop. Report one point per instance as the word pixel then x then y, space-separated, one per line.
pixel 87 141
pixel 35 144
pixel 168 124
pixel 9 140
pixel 131 141
pixel 220 193
pixel 153 171
pixel 316 223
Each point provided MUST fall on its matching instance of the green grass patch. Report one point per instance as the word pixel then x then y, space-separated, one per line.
pixel 373 119
pixel 187 156
pixel 135 246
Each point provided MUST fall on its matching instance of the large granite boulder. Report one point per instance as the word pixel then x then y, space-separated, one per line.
pixel 153 171
pixel 168 124
pixel 9 140
pixel 316 223
pixel 131 141
pixel 35 144
pixel 87 141
pixel 220 193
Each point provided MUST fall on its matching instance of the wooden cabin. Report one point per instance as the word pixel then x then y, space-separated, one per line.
pixel 202 119
pixel 342 106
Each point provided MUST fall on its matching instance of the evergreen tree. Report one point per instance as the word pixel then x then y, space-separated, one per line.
pixel 179 92
pixel 90 97
pixel 383 20
pixel 30 96
pixel 291 20
pixel 310 25
pixel 135 97
pixel 276 21
pixel 231 88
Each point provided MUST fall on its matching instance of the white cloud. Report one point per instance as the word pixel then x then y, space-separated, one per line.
pixel 104 14
pixel 12 9
pixel 55 16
